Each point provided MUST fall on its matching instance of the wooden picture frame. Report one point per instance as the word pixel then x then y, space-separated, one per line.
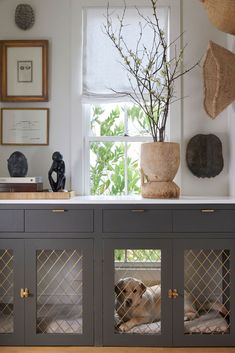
pixel 25 126
pixel 24 70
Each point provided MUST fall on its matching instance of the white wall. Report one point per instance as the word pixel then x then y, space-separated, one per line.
pixel 52 23
pixel 231 129
pixel 59 21
pixel 198 31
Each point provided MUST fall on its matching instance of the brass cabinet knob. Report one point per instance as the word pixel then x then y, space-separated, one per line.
pixel 173 293
pixel 24 293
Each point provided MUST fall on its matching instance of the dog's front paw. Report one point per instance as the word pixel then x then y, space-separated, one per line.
pixel 190 316
pixel 123 327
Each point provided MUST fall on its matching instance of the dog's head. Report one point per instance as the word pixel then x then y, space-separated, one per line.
pixel 129 291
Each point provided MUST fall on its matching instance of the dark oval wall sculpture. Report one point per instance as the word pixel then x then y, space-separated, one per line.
pixel 204 155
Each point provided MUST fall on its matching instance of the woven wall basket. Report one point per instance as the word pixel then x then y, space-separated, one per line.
pixel 222 14
pixel 219 79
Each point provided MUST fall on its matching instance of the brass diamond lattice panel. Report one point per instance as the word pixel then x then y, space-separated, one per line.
pixel 59 291
pixel 207 291
pixel 137 291
pixel 6 292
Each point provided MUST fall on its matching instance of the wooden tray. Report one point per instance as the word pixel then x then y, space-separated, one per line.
pixel 39 195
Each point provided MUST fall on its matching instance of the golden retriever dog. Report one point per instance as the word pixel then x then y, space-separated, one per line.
pixel 138 304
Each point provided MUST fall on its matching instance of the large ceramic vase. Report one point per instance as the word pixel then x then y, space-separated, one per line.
pixel 159 162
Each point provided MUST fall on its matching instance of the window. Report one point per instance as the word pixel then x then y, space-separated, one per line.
pixel 138 257
pixel 144 264
pixel 115 126
pixel 114 146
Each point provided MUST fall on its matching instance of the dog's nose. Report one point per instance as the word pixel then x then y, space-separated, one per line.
pixel 128 302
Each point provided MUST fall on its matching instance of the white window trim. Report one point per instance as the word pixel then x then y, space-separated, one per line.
pixel 78 128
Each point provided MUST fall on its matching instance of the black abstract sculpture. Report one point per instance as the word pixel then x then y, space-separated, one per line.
pixel 204 156
pixel 17 164
pixel 57 169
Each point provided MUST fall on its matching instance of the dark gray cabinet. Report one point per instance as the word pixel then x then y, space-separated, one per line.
pixel 149 262
pixel 136 220
pixel 11 282
pixel 46 291
pixel 203 273
pixel 195 303
pixel 65 272
pixel 59 220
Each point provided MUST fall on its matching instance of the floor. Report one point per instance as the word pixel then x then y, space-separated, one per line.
pixel 112 350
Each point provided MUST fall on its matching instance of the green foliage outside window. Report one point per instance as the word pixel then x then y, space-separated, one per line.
pixel 137 255
pixel 107 159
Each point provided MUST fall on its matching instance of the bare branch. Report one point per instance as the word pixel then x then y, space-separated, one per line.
pixel 151 73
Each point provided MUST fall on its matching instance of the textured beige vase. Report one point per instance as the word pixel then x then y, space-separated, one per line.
pixel 159 163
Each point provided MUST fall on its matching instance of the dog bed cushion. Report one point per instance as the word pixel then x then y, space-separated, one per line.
pixel 206 323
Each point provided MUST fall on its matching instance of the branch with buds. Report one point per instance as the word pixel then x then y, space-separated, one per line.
pixel 151 73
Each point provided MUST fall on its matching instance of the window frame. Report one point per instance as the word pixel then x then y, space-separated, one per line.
pixel 79 148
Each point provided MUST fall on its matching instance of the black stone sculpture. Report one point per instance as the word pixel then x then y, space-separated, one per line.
pixel 17 164
pixel 57 168
pixel 204 155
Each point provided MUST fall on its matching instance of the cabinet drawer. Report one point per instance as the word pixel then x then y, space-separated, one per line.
pixel 204 220
pixel 58 220
pixel 136 220
pixel 11 221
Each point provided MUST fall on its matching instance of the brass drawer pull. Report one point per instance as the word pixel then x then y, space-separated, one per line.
pixel 207 210
pixel 138 211
pixel 58 211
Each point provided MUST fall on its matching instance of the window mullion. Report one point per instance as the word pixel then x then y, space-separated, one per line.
pixel 119 138
pixel 126 168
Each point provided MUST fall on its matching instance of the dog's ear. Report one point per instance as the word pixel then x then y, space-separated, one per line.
pixel 118 286
pixel 142 287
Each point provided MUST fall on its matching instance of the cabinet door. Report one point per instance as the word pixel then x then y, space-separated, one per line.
pixel 11 282
pixel 203 275
pixel 136 280
pixel 59 276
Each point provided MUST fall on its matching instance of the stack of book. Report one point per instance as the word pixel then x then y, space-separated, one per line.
pixel 21 184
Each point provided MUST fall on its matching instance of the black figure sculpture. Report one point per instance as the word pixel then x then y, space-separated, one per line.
pixel 57 167
pixel 17 165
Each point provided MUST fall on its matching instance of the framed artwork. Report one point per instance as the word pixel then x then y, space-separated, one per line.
pixel 24 126
pixel 24 67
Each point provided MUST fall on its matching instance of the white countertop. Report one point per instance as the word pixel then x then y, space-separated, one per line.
pixel 127 200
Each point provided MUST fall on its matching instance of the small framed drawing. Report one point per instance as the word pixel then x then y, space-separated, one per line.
pixel 24 126
pixel 24 67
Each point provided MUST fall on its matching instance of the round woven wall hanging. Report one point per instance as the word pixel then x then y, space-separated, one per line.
pixel 204 156
pixel 221 13
pixel 24 16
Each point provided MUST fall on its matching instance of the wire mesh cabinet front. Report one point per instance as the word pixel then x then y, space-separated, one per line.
pixel 203 276
pixel 136 280
pixel 11 283
pixel 59 308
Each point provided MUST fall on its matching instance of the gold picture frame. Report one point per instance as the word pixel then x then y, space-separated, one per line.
pixel 24 70
pixel 25 126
